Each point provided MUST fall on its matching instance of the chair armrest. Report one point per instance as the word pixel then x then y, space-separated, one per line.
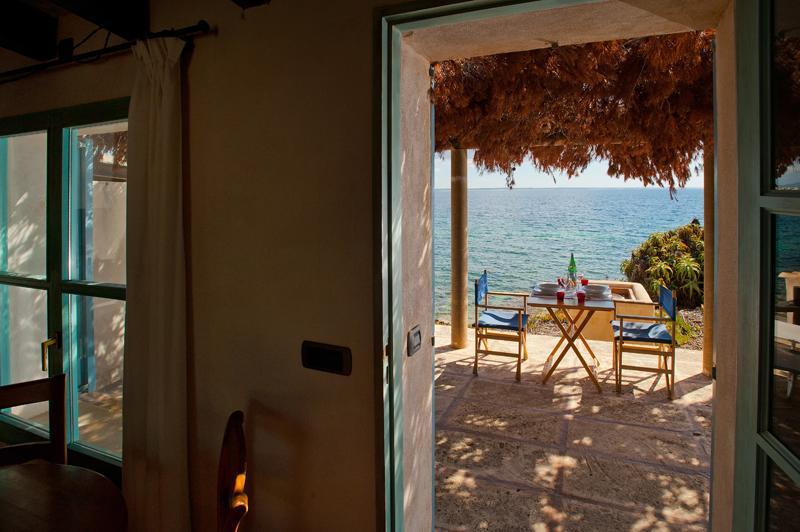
pixel 499 307
pixel 634 317
pixel 641 303
pixel 515 294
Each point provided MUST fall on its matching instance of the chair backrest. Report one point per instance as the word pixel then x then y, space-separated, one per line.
pixel 667 301
pixel 23 393
pixel 481 287
pixel 232 503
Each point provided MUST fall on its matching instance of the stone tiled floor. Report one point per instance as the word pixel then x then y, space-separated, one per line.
pixel 561 456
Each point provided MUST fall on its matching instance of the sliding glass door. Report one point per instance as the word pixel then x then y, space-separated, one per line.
pixel 63 183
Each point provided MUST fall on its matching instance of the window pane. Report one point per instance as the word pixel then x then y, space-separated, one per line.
pixel 786 93
pixel 785 403
pixel 783 511
pixel 98 173
pixel 23 327
pixel 95 345
pixel 23 179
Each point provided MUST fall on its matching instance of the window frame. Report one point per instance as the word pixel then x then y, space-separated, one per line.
pixel 56 123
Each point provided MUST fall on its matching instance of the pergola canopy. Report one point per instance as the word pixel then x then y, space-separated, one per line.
pixel 644 105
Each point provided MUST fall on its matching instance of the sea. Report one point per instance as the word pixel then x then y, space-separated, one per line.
pixel 523 236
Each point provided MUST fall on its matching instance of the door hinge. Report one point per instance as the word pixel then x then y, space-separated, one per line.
pixel 714 373
pixel 433 341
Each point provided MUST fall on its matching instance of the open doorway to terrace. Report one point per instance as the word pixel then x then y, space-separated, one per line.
pixel 518 453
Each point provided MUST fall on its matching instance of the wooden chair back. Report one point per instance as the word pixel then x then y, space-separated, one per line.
pixel 51 390
pixel 232 504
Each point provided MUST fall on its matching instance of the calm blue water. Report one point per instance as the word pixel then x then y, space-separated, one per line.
pixel 526 235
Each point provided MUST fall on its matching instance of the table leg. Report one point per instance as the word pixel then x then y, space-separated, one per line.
pixel 589 349
pixel 560 340
pixel 565 336
pixel 577 327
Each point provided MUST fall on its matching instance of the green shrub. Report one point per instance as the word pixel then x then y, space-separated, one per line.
pixel 673 258
pixel 684 331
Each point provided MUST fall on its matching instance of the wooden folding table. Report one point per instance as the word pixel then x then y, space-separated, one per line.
pixel 572 332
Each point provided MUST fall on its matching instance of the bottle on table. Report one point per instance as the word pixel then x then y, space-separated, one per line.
pixel 572 272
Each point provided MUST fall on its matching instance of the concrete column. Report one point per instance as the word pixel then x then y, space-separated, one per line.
pixel 458 248
pixel 708 270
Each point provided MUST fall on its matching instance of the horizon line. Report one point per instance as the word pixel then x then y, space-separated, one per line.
pixel 573 188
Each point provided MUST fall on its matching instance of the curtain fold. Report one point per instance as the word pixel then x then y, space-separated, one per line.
pixel 155 453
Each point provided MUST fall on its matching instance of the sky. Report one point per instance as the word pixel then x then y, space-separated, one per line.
pixel 526 176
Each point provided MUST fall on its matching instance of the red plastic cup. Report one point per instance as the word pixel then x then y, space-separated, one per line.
pixel 560 295
pixel 584 282
pixel 581 296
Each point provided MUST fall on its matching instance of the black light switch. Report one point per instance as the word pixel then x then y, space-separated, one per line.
pixel 325 357
pixel 414 340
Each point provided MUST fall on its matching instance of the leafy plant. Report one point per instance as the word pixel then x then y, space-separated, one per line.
pixel 673 258
pixel 684 331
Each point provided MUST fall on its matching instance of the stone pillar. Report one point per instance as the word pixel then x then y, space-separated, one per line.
pixel 708 270
pixel 458 248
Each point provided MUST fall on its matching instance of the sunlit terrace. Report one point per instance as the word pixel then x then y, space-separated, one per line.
pixel 523 455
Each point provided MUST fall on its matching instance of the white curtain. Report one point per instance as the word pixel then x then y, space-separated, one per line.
pixel 155 454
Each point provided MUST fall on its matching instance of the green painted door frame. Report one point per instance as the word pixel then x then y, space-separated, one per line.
pixel 390 25
pixel 4 310
pixel 758 205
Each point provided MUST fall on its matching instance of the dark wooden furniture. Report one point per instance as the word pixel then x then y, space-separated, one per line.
pixel 232 504
pixel 52 390
pixel 42 496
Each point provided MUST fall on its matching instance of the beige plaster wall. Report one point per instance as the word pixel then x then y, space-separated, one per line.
pixel 417 278
pixel 591 21
pixel 279 131
pixel 725 319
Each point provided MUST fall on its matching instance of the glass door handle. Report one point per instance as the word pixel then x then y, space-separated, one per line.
pixel 45 348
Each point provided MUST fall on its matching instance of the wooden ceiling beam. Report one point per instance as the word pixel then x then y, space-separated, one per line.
pixel 28 31
pixel 130 19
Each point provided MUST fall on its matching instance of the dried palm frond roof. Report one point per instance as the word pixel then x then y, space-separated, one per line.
pixel 645 106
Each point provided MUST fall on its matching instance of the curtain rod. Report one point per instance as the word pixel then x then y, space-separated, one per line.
pixel 201 28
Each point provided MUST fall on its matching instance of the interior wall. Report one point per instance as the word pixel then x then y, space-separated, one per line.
pixel 416 155
pixel 279 165
pixel 725 319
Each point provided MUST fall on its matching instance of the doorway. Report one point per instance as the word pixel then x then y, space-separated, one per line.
pixel 410 42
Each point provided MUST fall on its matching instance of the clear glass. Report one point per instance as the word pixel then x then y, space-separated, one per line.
pixel 95 346
pixel 785 79
pixel 783 510
pixel 98 186
pixel 23 205
pixel 785 401
pixel 23 328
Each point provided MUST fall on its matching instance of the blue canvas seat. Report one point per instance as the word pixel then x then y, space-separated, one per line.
pixel 502 323
pixel 501 319
pixel 647 334
pixel 643 332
